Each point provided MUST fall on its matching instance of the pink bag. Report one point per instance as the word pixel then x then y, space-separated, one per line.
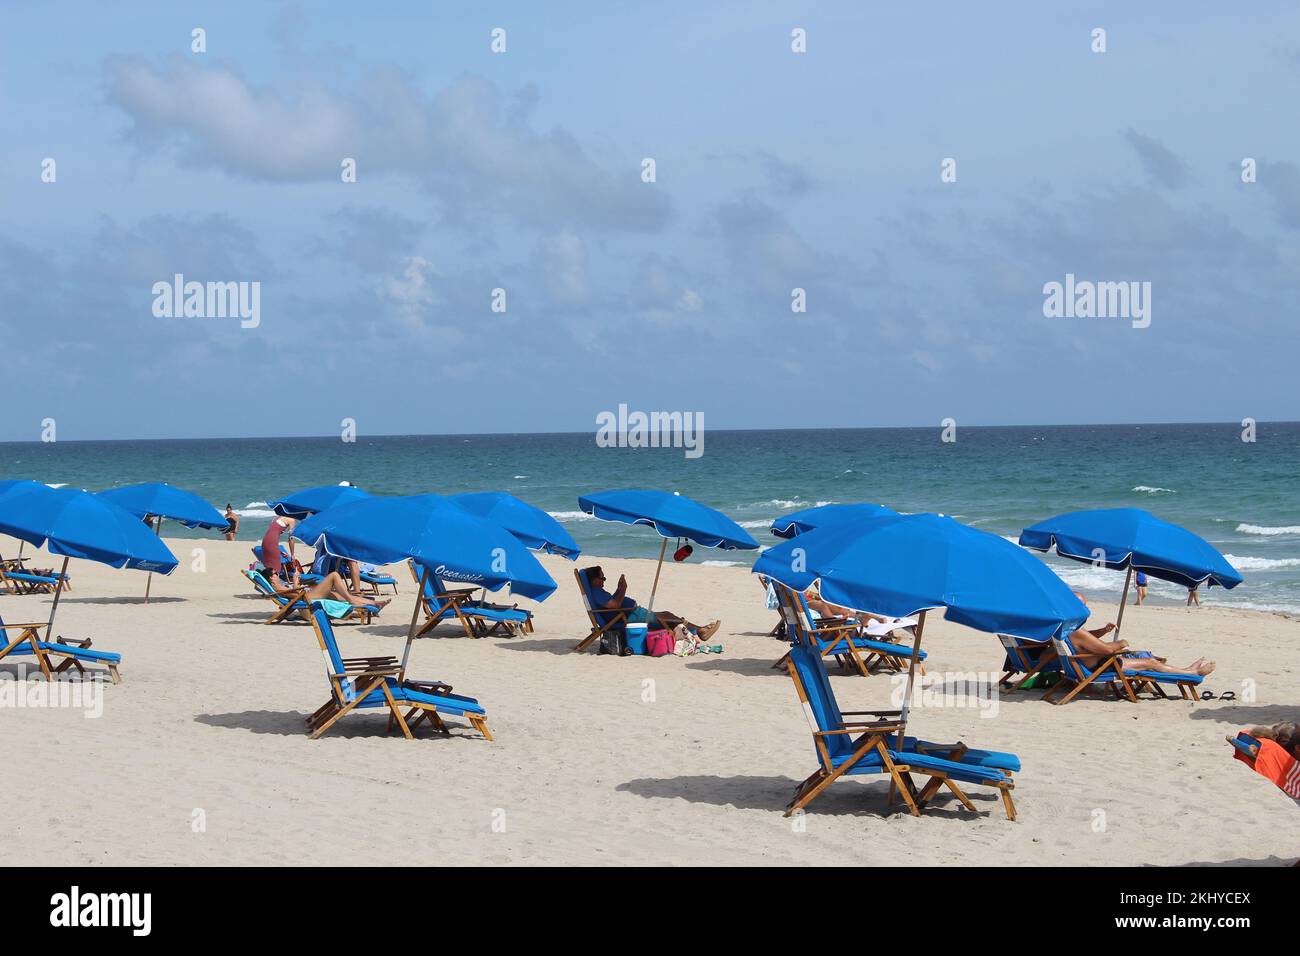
pixel 659 643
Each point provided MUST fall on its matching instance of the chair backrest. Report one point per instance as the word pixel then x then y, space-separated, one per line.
pixel 589 599
pixel 797 615
pixel 432 587
pixel 5 638
pixel 1073 668
pixel 819 705
pixel 343 688
pixel 264 587
pixel 1020 653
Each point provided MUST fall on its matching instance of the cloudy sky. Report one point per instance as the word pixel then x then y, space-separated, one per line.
pixel 522 170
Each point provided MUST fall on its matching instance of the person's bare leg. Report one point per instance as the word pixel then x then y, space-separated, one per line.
pixel 334 586
pixel 1201 666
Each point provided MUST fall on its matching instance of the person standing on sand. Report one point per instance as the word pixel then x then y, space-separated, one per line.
pixel 232 523
pixel 1193 597
pixel 1141 580
pixel 271 557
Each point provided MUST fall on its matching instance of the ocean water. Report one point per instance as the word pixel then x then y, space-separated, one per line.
pixel 1240 496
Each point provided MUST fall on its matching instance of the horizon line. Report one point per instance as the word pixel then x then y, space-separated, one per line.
pixel 778 428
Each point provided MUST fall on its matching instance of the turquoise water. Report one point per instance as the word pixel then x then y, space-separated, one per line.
pixel 1240 496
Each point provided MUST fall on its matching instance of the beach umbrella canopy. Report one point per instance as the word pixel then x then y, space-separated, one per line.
pixel 161 500
pixel 438 534
pixel 538 530
pixel 799 522
pixel 1125 538
pixel 434 531
pixel 900 565
pixel 309 501
pixel 77 524
pixel 672 515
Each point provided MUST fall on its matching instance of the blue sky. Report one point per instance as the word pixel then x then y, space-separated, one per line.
pixel 522 170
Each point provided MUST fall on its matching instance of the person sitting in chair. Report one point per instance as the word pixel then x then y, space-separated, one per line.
pixel 1092 650
pixel 659 620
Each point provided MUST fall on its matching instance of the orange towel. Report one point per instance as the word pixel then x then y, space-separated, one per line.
pixel 1277 765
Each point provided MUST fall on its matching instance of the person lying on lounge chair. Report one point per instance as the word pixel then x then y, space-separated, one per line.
pixel 1092 650
pixel 331 587
pixel 827 609
pixel 665 620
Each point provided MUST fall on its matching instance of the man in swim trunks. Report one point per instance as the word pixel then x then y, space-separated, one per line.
pixel 665 620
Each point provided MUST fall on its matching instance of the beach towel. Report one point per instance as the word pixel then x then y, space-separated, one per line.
pixel 1277 765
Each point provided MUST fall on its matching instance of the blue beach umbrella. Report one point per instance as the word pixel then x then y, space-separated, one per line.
pixel 159 500
pixel 309 501
pixel 902 565
pixel 438 534
pixel 673 516
pixel 799 522
pixel 538 530
pixel 77 524
pixel 19 486
pixel 1133 539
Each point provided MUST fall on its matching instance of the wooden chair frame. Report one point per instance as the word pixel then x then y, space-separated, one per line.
pixel 1071 667
pixel 369 674
pixel 32 633
pixel 873 735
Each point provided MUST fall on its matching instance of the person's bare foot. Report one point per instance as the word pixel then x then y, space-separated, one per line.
pixel 382 604
pixel 708 630
pixel 1204 668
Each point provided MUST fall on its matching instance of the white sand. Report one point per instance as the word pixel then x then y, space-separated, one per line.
pixel 597 759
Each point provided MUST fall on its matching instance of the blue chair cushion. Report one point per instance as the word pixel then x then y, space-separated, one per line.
pixel 1168 678
pixel 80 653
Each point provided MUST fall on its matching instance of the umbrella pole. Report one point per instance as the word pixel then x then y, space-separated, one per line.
pixel 415 616
pixel 148 581
pixel 1123 600
pixel 58 591
pixel 907 692
pixel 649 611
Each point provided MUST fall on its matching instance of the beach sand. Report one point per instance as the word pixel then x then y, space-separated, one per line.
pixel 200 756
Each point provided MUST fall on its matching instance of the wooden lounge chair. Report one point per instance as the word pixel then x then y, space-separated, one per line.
pixel 603 620
pixel 857 747
pixel 73 653
pixel 476 618
pixel 293 603
pixel 368 683
pixel 16 579
pixel 841 638
pixel 1024 660
pixel 1078 676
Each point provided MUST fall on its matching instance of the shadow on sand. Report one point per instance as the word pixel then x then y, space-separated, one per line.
pixel 292 723
pixel 135 599
pixel 773 793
